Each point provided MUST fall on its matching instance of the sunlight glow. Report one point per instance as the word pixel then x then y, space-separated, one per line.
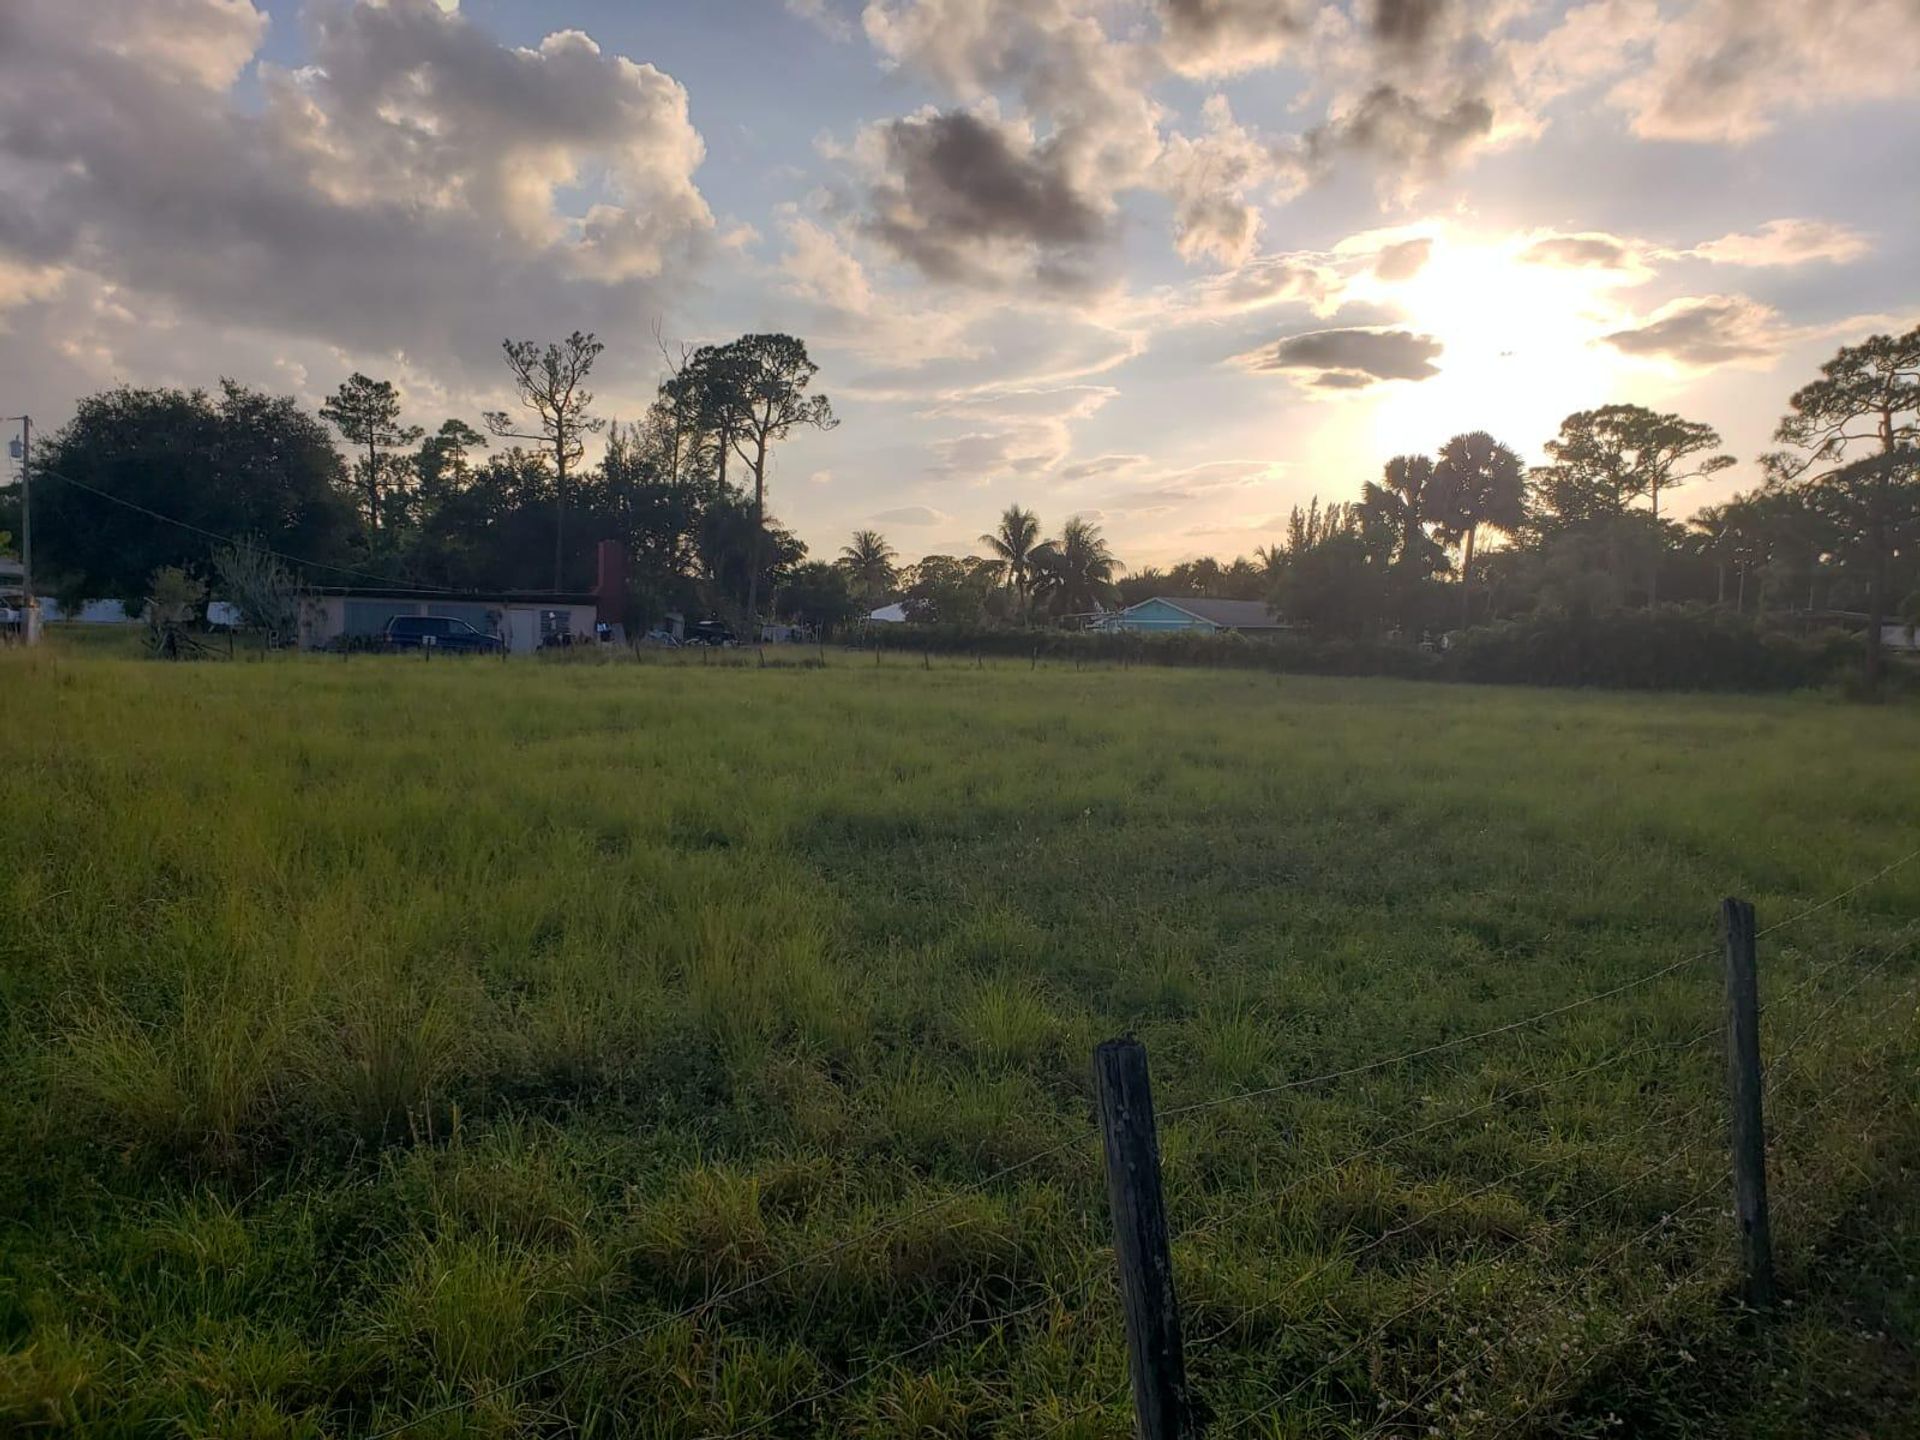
pixel 1522 345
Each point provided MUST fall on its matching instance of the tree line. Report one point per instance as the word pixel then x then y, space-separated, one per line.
pixel 1438 542
pixel 154 476
pixel 1834 526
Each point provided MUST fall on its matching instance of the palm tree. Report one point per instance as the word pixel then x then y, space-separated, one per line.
pixel 1075 572
pixel 868 560
pixel 1478 484
pixel 1013 545
pixel 1403 501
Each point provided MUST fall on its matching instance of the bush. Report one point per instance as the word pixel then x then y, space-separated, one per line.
pixel 1298 654
pixel 1670 648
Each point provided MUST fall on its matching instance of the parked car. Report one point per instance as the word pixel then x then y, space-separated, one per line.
pixel 441 632
pixel 709 632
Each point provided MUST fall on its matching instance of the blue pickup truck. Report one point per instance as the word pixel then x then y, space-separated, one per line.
pixel 440 632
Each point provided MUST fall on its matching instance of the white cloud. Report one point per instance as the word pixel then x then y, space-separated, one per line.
pixel 1702 331
pixel 1786 242
pixel 913 515
pixel 1731 70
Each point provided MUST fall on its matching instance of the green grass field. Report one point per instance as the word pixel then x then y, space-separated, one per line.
pixel 377 1033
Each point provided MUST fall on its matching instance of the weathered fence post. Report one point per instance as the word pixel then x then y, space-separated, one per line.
pixel 1749 1135
pixel 1154 1356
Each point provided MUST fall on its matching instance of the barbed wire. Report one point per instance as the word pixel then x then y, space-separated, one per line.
pixel 893 1224
pixel 1461 1274
pixel 1406 1227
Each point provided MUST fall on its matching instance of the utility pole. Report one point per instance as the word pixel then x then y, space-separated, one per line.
pixel 26 508
pixel 26 511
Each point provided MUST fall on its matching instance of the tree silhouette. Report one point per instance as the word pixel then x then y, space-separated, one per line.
pixel 366 412
pixel 757 394
pixel 553 384
pixel 869 564
pixel 1013 544
pixel 1479 484
pixel 1074 574
pixel 1855 448
pixel 1605 459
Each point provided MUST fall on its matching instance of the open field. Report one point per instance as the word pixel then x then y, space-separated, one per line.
pixel 377 1033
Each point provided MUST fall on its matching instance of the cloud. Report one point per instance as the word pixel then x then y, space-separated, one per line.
pixel 1786 242
pixel 822 16
pixel 1208 180
pixel 1404 260
pixel 1021 430
pixel 1730 70
pixel 913 515
pixel 1349 359
pixel 371 195
pixel 966 199
pixel 1102 465
pixel 1412 137
pixel 1591 250
pixel 1230 37
pixel 1706 330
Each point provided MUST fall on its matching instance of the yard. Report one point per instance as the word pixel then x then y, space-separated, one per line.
pixel 391 1043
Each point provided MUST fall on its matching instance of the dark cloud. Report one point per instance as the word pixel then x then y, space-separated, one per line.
pixel 1351 358
pixel 962 197
pixel 1406 25
pixel 1704 331
pixel 1574 252
pixel 1402 131
pixel 1210 37
pixel 1404 260
pixel 373 199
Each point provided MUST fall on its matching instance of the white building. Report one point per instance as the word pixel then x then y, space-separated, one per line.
pixel 528 620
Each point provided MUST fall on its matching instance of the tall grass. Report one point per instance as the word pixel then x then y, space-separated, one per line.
pixel 378 1032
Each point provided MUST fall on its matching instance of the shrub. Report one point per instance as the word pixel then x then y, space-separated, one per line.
pixel 1298 654
pixel 1670 648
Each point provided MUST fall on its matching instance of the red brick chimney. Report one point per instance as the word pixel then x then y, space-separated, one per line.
pixel 610 581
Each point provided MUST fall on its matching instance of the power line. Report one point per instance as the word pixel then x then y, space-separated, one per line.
pixel 41 472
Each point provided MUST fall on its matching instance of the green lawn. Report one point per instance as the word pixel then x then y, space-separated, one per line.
pixel 378 1033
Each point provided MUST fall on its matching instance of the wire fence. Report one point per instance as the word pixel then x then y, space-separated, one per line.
pixel 1279 1399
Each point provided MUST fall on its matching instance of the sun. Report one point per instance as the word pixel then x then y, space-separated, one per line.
pixel 1521 344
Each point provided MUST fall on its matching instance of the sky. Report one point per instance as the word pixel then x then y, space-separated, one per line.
pixel 1173 265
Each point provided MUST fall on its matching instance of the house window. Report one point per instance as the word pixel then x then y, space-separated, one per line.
pixel 556 626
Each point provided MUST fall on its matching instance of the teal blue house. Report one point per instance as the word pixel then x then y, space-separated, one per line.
pixel 1163 615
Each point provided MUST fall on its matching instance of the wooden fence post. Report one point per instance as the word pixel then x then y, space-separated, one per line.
pixel 1748 1130
pixel 1154 1356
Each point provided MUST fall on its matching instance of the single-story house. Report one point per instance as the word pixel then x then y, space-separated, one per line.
pixel 895 614
pixel 526 619
pixel 1164 615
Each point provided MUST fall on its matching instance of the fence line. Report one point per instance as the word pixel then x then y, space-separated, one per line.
pixel 1461 1199
pixel 1594 1355
pixel 1538 1312
pixel 1459 1275
pixel 893 1224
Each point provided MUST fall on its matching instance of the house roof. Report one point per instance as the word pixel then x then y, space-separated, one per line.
pixel 459 597
pixel 1228 614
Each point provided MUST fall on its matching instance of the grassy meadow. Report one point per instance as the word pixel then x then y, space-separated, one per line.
pixel 377 1033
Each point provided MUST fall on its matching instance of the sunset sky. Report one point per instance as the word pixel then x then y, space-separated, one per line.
pixel 1172 264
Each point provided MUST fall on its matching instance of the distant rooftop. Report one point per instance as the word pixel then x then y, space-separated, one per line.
pixel 1229 614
